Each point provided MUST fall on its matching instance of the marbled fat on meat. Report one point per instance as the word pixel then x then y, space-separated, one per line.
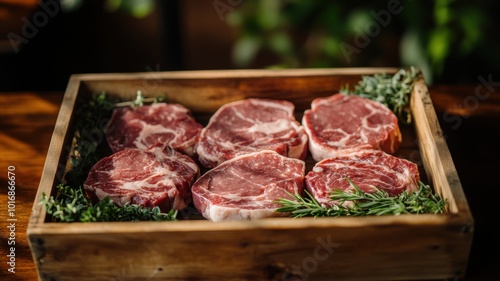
pixel 143 126
pixel 341 122
pixel 366 168
pixel 159 176
pixel 248 126
pixel 246 187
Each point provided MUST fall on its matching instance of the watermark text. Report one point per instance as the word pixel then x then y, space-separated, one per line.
pixel 11 218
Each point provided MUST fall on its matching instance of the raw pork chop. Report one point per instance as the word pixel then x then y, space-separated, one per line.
pixel 343 122
pixel 143 126
pixel 159 176
pixel 245 187
pixel 251 125
pixel 366 168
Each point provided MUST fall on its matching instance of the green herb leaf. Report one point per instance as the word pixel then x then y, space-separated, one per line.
pixel 71 205
pixel 359 203
pixel 392 90
pixel 140 100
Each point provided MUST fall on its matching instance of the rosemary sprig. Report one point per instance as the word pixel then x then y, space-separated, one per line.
pixel 392 90
pixel 71 205
pixel 360 203
pixel 140 100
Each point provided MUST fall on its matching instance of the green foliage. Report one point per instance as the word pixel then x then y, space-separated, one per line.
pixel 426 34
pixel 140 100
pixel 91 119
pixel 136 8
pixel 71 205
pixel 392 90
pixel 359 203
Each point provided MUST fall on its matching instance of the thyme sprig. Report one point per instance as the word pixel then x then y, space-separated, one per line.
pixel 359 203
pixel 71 205
pixel 392 90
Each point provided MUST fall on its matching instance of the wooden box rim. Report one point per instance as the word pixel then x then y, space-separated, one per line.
pixel 458 213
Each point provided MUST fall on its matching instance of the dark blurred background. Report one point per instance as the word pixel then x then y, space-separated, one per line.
pixel 43 43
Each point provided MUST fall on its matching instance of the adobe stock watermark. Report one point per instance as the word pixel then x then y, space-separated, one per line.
pixel 30 28
pixel 371 29
pixel 224 7
pixel 471 103
pixel 153 81
pixel 321 253
pixel 11 218
pixel 124 275
pixel 414 155
pixel 121 275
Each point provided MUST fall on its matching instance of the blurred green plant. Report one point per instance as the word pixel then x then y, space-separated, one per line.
pixel 137 8
pixel 323 33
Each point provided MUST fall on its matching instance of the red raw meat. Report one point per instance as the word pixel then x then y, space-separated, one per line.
pixel 246 187
pixel 143 126
pixel 342 122
pixel 159 176
pixel 367 168
pixel 248 126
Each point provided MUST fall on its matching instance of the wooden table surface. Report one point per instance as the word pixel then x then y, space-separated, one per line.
pixel 469 116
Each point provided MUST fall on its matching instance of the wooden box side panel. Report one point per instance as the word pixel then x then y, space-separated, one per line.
pixel 438 163
pixel 389 252
pixel 58 152
pixel 436 156
pixel 205 92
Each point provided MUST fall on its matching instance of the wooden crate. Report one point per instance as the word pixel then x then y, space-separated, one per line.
pixel 405 247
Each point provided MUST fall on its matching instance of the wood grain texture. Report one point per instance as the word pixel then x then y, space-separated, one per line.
pixel 279 249
pixel 215 88
pixel 437 158
pixel 259 250
pixel 26 124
